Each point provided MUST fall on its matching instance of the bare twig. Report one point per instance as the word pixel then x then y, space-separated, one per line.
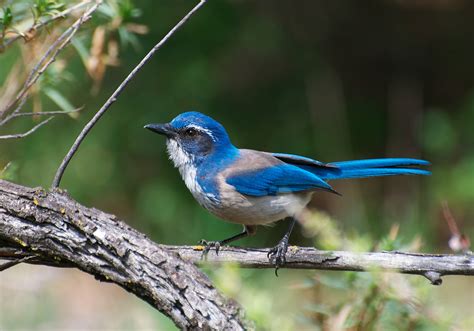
pixel 431 266
pixel 13 263
pixel 15 111
pixel 42 24
pixel 27 133
pixel 43 113
pixel 116 94
pixel 48 57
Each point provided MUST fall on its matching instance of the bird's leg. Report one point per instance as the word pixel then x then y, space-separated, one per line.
pixel 249 230
pixel 277 254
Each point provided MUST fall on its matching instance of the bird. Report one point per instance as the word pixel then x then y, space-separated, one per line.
pixel 253 188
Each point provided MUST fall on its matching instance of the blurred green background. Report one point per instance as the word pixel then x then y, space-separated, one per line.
pixel 331 80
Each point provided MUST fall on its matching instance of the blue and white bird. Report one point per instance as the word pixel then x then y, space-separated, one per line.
pixel 253 188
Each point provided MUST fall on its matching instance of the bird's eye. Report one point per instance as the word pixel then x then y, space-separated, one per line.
pixel 190 132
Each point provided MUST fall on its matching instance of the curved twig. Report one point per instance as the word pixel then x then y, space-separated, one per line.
pixel 27 133
pixel 14 262
pixel 116 94
pixel 42 113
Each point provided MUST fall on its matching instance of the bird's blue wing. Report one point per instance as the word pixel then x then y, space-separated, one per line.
pixel 281 178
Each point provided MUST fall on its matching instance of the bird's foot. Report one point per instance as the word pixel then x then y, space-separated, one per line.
pixel 277 254
pixel 208 245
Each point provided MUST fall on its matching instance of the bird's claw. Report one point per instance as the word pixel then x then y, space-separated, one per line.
pixel 208 245
pixel 277 255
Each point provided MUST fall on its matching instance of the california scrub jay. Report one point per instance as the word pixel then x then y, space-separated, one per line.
pixel 253 188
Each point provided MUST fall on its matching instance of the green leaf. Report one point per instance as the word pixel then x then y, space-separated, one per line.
pixel 128 38
pixel 9 171
pixel 81 49
pixel 6 19
pixel 47 8
pixel 58 99
pixel 128 11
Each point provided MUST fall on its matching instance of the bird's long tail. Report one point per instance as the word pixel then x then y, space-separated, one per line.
pixel 373 168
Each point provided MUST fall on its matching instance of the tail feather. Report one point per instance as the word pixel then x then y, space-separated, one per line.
pixel 380 163
pixel 371 168
pixel 376 172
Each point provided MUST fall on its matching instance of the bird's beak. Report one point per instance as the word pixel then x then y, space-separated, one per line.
pixel 164 129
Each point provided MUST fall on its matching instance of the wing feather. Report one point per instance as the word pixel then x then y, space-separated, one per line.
pixel 282 178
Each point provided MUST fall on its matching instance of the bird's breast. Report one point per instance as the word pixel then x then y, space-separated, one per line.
pixel 203 195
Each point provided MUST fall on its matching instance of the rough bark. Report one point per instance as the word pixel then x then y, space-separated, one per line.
pixel 53 229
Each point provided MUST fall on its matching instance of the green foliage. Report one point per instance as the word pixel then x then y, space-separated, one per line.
pixel 59 99
pixel 121 15
pixel 127 10
pixel 97 51
pixel 123 10
pixel 9 171
pixel 5 22
pixel 6 19
pixel 42 8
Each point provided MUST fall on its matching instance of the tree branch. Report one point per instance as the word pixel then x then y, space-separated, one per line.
pixel 297 257
pixel 42 113
pixel 432 266
pixel 50 228
pixel 56 230
pixel 82 135
pixel 27 133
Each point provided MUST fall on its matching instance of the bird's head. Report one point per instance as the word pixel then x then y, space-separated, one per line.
pixel 192 136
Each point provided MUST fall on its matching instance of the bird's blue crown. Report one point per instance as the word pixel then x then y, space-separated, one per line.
pixel 194 119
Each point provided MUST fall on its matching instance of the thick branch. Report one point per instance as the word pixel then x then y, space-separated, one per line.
pixel 58 231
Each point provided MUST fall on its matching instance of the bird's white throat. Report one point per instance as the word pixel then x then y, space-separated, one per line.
pixel 177 154
pixel 184 162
